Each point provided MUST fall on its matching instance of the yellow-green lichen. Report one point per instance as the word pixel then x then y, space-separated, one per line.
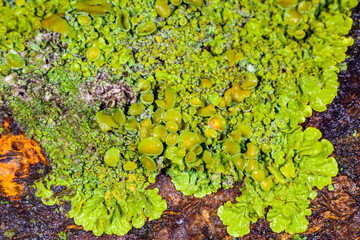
pixel 210 91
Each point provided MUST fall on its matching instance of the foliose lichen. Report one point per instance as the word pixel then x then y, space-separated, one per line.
pixel 213 91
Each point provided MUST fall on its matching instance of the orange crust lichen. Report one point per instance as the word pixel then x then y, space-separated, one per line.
pixel 17 155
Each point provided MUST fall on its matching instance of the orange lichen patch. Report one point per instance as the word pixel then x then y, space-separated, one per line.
pixel 7 123
pixel 70 227
pixel 17 155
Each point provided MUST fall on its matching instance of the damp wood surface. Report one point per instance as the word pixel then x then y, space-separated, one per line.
pixel 335 214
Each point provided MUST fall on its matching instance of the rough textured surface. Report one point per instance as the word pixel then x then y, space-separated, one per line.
pixel 20 158
pixel 335 214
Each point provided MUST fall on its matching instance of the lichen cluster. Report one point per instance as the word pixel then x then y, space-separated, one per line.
pixel 210 91
pixel 18 156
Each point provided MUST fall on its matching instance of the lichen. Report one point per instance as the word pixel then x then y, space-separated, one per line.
pixel 210 91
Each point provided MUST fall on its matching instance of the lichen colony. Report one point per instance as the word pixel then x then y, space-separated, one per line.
pixel 210 91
